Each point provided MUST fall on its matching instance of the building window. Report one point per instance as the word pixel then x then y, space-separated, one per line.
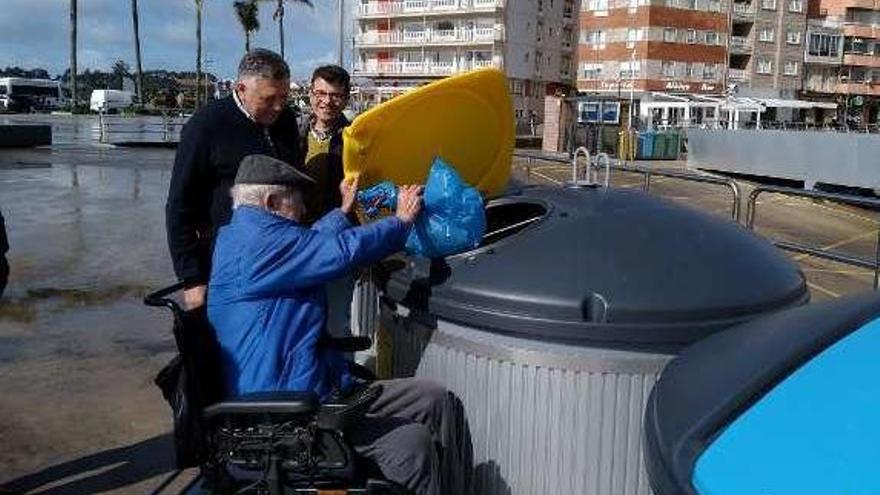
pixel 629 70
pixel 795 5
pixel 824 45
pixel 598 7
pixel 668 69
pixel 631 37
pixel 856 45
pixel 669 35
pixel 692 36
pixel 672 4
pixel 633 5
pixel 711 38
pixel 790 68
pixel 516 87
pixel 768 4
pixel 715 5
pixel 709 72
pixel 592 71
pixel 765 66
pixel 596 40
pixel 689 71
pixel 690 4
pixel 767 35
pixel 793 37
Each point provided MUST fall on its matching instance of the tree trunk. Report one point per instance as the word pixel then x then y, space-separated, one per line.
pixel 73 16
pixel 137 52
pixel 198 53
pixel 247 41
pixel 281 25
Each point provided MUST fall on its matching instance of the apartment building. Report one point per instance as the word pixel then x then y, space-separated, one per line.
pixel 766 47
pixel 400 44
pixel 645 46
pixel 842 56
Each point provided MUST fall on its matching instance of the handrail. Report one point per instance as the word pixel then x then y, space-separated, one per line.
pixel 574 164
pixel 751 213
pixel 648 173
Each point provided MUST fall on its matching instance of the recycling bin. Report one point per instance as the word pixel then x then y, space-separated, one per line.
pixel 554 331
pixel 786 405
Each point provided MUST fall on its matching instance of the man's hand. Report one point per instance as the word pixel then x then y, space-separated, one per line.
pixel 348 188
pixel 194 297
pixel 409 203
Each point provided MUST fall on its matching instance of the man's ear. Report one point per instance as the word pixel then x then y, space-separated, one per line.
pixel 271 202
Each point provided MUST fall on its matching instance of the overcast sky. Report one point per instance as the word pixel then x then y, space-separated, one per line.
pixel 35 34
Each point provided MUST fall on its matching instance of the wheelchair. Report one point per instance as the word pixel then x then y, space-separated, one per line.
pixel 266 443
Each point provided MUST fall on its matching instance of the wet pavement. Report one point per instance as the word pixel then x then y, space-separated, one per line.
pixel 78 350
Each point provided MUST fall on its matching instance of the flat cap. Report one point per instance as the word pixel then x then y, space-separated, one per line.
pixel 265 170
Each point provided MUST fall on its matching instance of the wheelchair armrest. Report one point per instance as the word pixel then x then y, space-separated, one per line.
pixel 300 403
pixel 346 344
pixel 342 414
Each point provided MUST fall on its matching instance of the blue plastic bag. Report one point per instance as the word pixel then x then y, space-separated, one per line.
pixel 453 219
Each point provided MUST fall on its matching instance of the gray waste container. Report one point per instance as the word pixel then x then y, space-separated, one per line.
pixel 554 331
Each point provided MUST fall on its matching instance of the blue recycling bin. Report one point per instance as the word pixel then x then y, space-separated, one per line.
pixel 786 404
pixel 646 145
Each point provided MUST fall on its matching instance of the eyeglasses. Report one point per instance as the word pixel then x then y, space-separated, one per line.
pixel 324 95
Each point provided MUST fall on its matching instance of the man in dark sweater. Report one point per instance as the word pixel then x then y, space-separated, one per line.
pixel 255 119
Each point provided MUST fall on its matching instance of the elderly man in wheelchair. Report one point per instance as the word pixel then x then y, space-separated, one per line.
pixel 295 415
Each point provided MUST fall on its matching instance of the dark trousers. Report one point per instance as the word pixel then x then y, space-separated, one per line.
pixel 4 273
pixel 417 434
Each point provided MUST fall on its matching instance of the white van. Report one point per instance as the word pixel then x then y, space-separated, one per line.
pixel 110 100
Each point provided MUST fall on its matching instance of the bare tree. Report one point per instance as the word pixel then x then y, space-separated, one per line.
pixel 137 52
pixel 198 52
pixel 73 16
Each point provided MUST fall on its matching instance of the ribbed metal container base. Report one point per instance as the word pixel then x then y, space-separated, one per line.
pixel 544 418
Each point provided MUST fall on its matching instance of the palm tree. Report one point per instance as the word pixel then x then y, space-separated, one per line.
pixel 198 52
pixel 247 11
pixel 137 52
pixel 279 16
pixel 73 54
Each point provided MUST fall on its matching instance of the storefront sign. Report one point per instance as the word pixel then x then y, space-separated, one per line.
pixel 677 86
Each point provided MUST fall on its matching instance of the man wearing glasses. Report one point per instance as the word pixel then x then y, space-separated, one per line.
pixel 321 142
pixel 321 138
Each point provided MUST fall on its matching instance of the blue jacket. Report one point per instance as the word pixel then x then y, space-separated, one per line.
pixel 266 298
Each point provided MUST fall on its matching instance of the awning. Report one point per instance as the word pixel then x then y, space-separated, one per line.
pixel 777 103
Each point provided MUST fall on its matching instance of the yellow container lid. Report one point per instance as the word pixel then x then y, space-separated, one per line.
pixel 466 119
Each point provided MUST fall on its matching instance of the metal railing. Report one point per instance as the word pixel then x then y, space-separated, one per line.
pixel 165 130
pixel 647 173
pixel 751 212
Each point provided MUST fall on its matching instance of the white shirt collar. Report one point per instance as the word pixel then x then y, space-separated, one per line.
pixel 241 107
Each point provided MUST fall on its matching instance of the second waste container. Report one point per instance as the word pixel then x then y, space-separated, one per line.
pixel 784 405
pixel 554 331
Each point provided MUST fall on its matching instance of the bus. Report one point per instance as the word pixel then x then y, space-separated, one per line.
pixel 22 95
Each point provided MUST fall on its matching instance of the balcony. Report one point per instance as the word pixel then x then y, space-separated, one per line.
pixel 419 68
pixel 421 7
pixel 862 60
pixel 740 45
pixel 743 12
pixel 860 30
pixel 477 36
pixel 858 88
pixel 737 75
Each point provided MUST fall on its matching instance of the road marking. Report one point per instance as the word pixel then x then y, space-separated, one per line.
pixel 546 177
pixel 865 271
pixel 839 243
pixel 819 288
